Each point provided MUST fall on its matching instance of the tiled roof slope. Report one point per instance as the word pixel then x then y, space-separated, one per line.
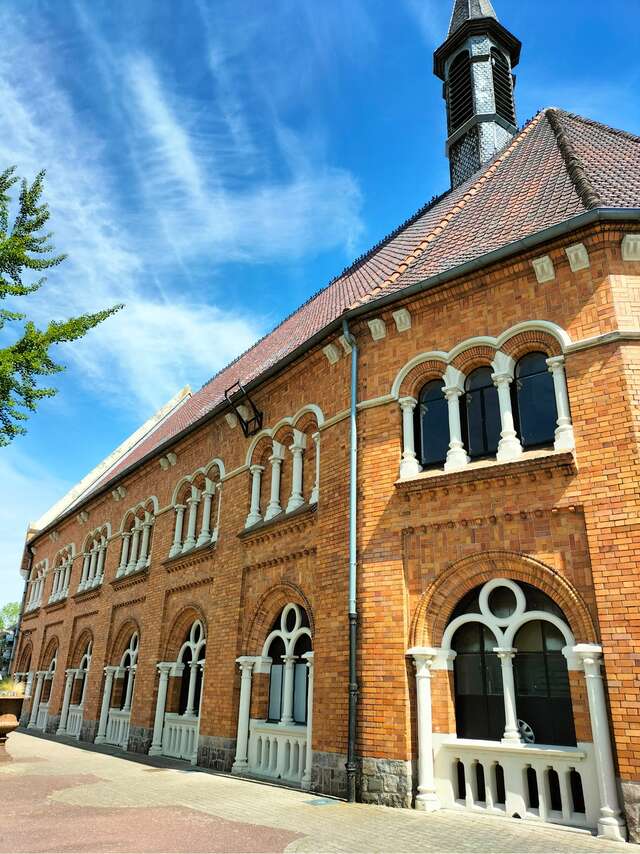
pixel 558 166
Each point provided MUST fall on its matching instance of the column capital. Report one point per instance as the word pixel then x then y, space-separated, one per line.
pixel 111 669
pixel 277 452
pixel 165 666
pixel 246 662
pixel 72 671
pixel 590 654
pixel 289 659
pixel 126 535
pixel 299 441
pixel 504 652
pixel 502 378
pixel 407 402
pixel 255 468
pixel 555 362
pixel 180 507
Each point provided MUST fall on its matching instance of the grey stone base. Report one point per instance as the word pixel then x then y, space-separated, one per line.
pixel 53 722
pixel 24 718
pixel 631 802
pixel 216 752
pixel 88 731
pixel 388 782
pixel 140 739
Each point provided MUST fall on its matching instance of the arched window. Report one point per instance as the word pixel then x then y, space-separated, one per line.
pixel 433 432
pixel 128 664
pixel 192 657
pixel 478 684
pixel 480 414
pixel 534 401
pixel 80 682
pixel 502 86
pixel 288 641
pixel 460 91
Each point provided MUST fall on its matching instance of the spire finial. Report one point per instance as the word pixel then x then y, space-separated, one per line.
pixel 465 10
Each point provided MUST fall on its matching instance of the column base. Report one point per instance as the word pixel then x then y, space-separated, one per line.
pixel 508 450
pixel 612 828
pixel 427 802
pixel 100 739
pixel 410 468
pixel 61 731
pixel 457 458
pixel 155 751
pixel 239 767
pixel 564 439
pixel 294 504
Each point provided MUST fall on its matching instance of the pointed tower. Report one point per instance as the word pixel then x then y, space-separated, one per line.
pixel 476 63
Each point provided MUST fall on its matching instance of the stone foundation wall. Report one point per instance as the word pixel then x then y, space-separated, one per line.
pixel 88 730
pixel 388 782
pixel 328 773
pixel 631 803
pixel 53 722
pixel 140 739
pixel 216 752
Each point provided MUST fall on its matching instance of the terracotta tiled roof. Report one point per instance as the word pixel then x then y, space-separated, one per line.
pixel 558 166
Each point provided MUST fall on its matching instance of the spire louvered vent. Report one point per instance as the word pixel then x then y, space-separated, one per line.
pixel 502 86
pixel 459 92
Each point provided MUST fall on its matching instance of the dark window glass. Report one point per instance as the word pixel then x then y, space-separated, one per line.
pixel 184 681
pixel 301 679
pixel 432 412
pixel 543 698
pixel 126 663
pixel 276 653
pixel 481 414
pixel 199 676
pixel 459 91
pixel 535 401
pixel 478 684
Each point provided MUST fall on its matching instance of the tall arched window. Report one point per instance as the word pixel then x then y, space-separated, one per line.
pixel 478 684
pixel 128 664
pixel 288 641
pixel 460 91
pixel 192 657
pixel 534 401
pixel 480 414
pixel 433 420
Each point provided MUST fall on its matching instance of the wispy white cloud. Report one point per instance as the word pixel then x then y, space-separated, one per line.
pixel 431 17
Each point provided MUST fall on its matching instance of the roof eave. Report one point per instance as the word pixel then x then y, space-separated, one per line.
pixel 469 267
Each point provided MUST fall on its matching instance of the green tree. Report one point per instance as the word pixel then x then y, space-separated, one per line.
pixel 25 249
pixel 9 614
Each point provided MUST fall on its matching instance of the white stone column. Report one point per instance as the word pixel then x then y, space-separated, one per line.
pixel 308 765
pixel 190 540
pixel 67 576
pixel 610 823
pixel 511 731
pixel 426 799
pixel 102 553
pixel 64 714
pixel 246 663
pixel 409 464
pixel 86 561
pixel 54 586
pixel 164 668
pixel 135 543
pixel 205 525
pixel 40 674
pixel 453 389
pixel 191 694
pixel 276 458
pixel 130 681
pixel 214 533
pixel 509 447
pixel 254 512
pixel 176 546
pixel 315 492
pixel 29 685
pixel 109 672
pixel 143 560
pixel 124 554
pixel 286 718
pixel 297 449
pixel 564 438
pixel 93 562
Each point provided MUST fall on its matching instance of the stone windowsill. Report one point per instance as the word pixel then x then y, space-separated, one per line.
pixel 184 557
pixel 87 593
pixel 529 462
pixel 131 578
pixel 306 511
pixel 545 750
pixel 53 606
pixel 32 612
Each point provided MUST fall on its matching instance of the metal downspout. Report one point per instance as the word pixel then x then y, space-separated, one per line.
pixel 351 765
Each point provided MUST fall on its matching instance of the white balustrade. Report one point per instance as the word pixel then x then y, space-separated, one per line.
pixel 541 783
pixel 277 751
pixel 180 736
pixel 43 714
pixel 74 721
pixel 118 728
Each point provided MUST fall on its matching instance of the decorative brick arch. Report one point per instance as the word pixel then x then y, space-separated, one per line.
pixel 412 384
pixel 475 357
pixel 80 647
pixel 266 611
pixel 183 621
pixel 442 596
pixel 50 650
pixel 529 341
pixel 122 638
pixel 25 658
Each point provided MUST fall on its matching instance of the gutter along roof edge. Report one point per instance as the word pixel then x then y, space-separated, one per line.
pixel 502 253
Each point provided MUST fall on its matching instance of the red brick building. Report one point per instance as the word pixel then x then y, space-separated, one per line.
pixel 195 600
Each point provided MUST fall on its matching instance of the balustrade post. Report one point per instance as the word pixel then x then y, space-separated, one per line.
pixel 64 713
pixel 84 577
pixel 297 449
pixel 143 560
pixel 426 799
pixel 244 710
pixel 164 668
pixel 254 512
pixel 191 694
pixel 135 541
pixel 109 672
pixel 102 553
pixel 129 694
pixel 511 731
pixel 610 824
pixel 124 554
pixel 564 439
pixel 176 547
pixel 308 764
pixel 29 685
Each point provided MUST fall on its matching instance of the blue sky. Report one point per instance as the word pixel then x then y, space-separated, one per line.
pixel 212 164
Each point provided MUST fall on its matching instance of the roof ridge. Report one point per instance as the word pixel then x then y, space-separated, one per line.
pixel 593 123
pixel 486 174
pixel 587 193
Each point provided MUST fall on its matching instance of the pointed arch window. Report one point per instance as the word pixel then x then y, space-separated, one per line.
pixel 433 424
pixel 534 401
pixel 289 640
pixel 481 414
pixel 460 91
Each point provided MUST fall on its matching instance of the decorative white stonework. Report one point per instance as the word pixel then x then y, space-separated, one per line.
pixel 36 583
pixel 543 268
pixel 118 493
pixel 232 419
pixel 457 456
pixel 377 328
pixel 113 726
pixel 409 466
pixel 136 529
pixel 564 439
pixel 345 344
pixel 62 565
pixel 631 247
pixel 54 536
pixel 94 553
pixel 509 447
pixel 578 257
pixel 402 319
pixel 168 461
pixel 332 353
pixel 82 517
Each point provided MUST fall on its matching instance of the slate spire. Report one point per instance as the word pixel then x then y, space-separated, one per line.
pixel 476 64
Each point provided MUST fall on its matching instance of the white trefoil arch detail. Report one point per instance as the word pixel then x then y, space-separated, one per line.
pixel 581 657
pixel 297 449
pixel 62 565
pixel 503 366
pixel 36 584
pixel 94 553
pixel 197 520
pixel 136 530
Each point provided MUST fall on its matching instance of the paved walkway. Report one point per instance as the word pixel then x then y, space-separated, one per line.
pixel 61 798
